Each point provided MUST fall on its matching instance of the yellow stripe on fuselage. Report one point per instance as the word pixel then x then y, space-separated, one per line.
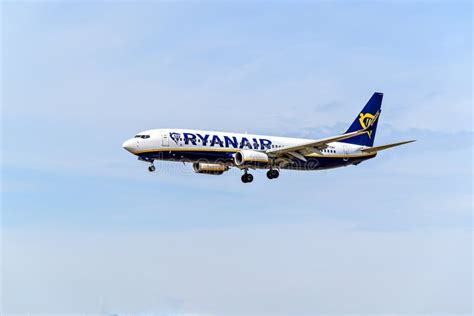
pixel 188 149
pixel 182 149
pixel 338 156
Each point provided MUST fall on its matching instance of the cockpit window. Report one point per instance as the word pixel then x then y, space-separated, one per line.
pixel 142 136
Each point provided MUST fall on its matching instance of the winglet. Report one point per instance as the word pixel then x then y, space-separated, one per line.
pixel 383 147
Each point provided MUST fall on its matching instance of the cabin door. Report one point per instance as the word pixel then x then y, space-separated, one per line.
pixel 165 141
pixel 346 153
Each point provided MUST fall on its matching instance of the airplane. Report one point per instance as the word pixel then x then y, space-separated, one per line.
pixel 214 153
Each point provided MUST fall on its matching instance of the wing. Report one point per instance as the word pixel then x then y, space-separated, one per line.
pixel 298 151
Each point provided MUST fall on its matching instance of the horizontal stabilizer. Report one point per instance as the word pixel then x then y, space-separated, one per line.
pixel 383 147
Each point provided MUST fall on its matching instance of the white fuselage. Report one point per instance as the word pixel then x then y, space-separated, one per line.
pixel 180 140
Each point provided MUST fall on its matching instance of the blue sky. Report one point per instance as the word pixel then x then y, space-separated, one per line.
pixel 85 228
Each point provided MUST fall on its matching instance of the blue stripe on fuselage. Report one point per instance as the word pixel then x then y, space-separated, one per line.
pixel 312 163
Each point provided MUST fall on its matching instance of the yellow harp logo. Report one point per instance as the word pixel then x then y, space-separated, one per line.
pixel 367 120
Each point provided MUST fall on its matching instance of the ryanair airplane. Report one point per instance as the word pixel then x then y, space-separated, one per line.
pixel 215 152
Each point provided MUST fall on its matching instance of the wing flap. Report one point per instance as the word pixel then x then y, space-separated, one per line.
pixel 297 155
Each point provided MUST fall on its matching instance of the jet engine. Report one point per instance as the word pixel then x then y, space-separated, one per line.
pixel 209 168
pixel 250 157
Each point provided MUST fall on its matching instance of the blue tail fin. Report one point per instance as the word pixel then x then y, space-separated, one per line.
pixel 371 111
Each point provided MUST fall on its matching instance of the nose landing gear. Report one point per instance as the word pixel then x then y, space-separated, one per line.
pixel 151 167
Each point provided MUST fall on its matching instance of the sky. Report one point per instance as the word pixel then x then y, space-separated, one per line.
pixel 85 228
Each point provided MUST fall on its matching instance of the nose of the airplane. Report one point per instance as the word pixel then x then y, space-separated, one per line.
pixel 129 145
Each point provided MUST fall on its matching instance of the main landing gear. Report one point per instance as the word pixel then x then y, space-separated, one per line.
pixel 247 177
pixel 273 174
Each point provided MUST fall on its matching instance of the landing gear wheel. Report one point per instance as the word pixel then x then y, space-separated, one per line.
pixel 247 178
pixel 151 168
pixel 275 174
pixel 272 174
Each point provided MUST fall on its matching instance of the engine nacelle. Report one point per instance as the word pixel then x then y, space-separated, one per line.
pixel 209 168
pixel 249 157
